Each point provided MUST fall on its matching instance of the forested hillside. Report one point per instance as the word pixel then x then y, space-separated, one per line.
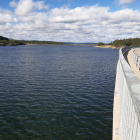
pixel 3 38
pixel 126 42
pixel 122 43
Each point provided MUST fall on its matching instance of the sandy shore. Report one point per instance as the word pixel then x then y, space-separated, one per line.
pixel 107 46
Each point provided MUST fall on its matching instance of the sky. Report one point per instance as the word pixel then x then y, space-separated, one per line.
pixel 70 20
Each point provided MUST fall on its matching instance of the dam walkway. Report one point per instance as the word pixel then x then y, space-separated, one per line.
pixel 131 61
pixel 126 109
pixel 137 51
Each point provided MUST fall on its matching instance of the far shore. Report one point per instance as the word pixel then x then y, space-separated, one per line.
pixel 29 44
pixel 44 44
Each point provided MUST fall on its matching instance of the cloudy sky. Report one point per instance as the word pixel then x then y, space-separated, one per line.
pixel 70 20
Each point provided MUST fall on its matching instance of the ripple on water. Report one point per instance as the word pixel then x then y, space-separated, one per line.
pixel 56 92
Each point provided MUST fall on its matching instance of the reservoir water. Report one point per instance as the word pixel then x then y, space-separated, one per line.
pixel 56 92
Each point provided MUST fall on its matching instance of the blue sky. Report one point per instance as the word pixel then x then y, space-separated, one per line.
pixel 70 20
pixel 78 3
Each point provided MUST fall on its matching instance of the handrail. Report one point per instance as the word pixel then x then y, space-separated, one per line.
pixel 136 58
pixel 129 101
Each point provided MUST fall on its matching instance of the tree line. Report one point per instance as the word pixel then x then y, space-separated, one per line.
pixel 7 42
pixel 43 42
pixel 123 42
pixel 3 38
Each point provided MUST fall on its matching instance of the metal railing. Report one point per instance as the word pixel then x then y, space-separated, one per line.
pixel 129 101
pixel 135 57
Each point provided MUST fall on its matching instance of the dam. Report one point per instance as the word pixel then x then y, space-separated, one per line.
pixel 126 108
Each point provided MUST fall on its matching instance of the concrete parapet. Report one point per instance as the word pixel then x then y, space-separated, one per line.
pixel 126 103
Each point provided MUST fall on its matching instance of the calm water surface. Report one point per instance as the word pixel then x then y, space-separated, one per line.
pixel 56 92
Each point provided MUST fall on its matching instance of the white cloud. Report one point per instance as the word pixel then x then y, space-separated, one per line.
pixel 78 14
pixel 40 5
pixel 24 7
pixel 7 17
pixel 81 24
pixel 125 1
pixel 13 4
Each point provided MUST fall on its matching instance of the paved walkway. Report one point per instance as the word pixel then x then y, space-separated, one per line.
pixel 131 63
pixel 137 51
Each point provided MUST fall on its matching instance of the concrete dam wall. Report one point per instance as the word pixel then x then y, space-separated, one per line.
pixel 126 110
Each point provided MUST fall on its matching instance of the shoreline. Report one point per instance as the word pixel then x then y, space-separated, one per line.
pixel 44 44
pixel 103 46
pixel 108 46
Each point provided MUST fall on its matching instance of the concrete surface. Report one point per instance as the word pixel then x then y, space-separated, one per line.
pixel 137 51
pixel 131 63
pixel 116 115
pixel 126 108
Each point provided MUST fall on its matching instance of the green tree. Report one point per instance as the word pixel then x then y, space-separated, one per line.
pixel 100 44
